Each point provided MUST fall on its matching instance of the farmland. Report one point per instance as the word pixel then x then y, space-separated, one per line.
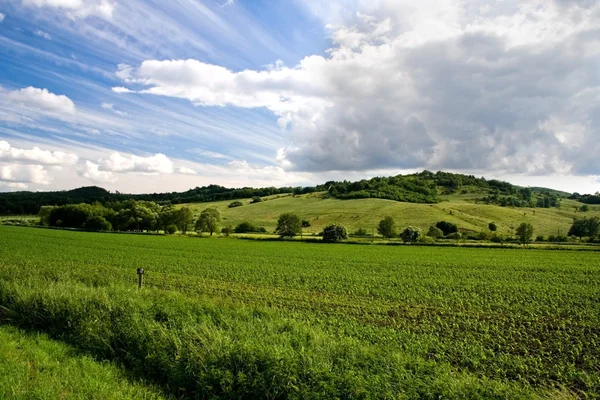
pixel 247 319
pixel 366 213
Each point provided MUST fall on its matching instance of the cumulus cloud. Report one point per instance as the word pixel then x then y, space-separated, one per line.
pixel 76 8
pixel 121 89
pixel 40 99
pixel 35 155
pixel 186 171
pixel 18 173
pixel 92 172
pixel 512 87
pixel 158 163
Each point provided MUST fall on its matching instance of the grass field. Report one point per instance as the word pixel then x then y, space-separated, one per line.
pixel 244 319
pixel 366 213
pixel 34 367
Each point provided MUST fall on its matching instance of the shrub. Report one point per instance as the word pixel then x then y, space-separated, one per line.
pixel 447 227
pixel 249 227
pixel 228 230
pixel 305 223
pixel 235 204
pixel 435 232
pixel 97 223
pixel 361 232
pixel 454 236
pixel 497 238
pixel 170 229
pixel 256 199
pixel 411 234
pixel 288 225
pixel 387 227
pixel 483 236
pixel 335 233
pixel 584 208
pixel 540 238
pixel 492 227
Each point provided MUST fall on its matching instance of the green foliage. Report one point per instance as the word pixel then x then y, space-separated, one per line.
pixel 97 223
pixel 454 236
pixel 492 227
pixel 228 230
pixel 387 227
pixel 360 232
pixel 447 228
pixel 288 225
pixel 171 229
pixel 208 221
pixel 435 232
pixel 335 233
pixel 249 227
pixel 584 208
pixel 305 223
pixel 235 204
pixel 411 234
pixel 525 232
pixel 588 227
pixel 256 199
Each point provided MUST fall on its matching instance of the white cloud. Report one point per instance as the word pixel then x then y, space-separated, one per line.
pixel 35 155
pixel 186 171
pixel 40 99
pixel 158 163
pixel 209 154
pixel 43 34
pixel 512 88
pixel 2 16
pixel 92 172
pixel 121 89
pixel 25 174
pixel 77 8
pixel 108 106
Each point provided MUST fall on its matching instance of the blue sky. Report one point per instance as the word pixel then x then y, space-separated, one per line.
pixel 145 96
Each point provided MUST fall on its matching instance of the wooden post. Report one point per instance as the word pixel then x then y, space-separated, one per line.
pixel 140 272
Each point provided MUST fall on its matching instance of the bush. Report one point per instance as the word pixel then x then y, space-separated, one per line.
pixel 411 234
pixel 435 232
pixel 170 229
pixel 454 236
pixel 447 227
pixel 256 199
pixel 426 239
pixel 360 232
pixel 497 238
pixel 492 227
pixel 305 223
pixel 483 236
pixel 540 238
pixel 235 204
pixel 334 233
pixel 97 223
pixel 249 227
pixel 288 225
pixel 228 230
pixel 584 208
pixel 387 227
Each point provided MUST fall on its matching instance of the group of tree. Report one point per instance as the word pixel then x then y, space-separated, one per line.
pixel 586 198
pixel 585 227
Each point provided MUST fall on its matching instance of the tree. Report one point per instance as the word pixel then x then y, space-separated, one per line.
pixel 335 233
pixel 435 232
pixel 305 223
pixel 387 227
pixel 288 225
pixel 492 227
pixel 184 217
pixel 256 199
pixel 581 227
pixel 170 229
pixel 447 227
pixel 249 227
pixel 228 230
pixel 97 223
pixel 45 215
pixel 411 234
pixel 208 221
pixel 584 208
pixel 525 233
pixel 361 232
pixel 235 204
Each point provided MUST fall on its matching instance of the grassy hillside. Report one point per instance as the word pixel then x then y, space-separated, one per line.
pixel 461 209
pixel 34 367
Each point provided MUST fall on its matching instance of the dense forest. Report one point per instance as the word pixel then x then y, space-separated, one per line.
pixel 423 187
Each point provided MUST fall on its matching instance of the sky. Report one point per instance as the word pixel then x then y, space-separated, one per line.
pixel 145 96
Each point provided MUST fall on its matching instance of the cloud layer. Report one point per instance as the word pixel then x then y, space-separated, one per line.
pixel 506 86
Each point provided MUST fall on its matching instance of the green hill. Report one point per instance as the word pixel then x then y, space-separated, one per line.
pixel 464 210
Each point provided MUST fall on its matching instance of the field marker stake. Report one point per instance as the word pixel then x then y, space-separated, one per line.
pixel 140 272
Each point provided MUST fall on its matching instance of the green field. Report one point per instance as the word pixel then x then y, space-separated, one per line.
pixel 366 213
pixel 231 318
